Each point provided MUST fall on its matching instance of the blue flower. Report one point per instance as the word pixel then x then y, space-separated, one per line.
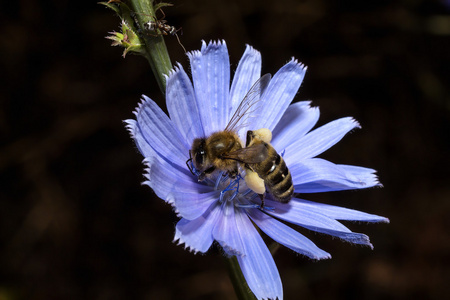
pixel 222 209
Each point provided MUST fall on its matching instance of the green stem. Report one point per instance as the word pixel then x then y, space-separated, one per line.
pixel 273 248
pixel 241 288
pixel 156 50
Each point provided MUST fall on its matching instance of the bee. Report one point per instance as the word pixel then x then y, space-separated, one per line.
pixel 160 27
pixel 265 169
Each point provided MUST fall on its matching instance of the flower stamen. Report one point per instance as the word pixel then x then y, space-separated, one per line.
pixel 234 185
pixel 222 177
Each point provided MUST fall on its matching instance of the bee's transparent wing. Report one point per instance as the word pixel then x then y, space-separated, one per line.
pixel 248 104
pixel 254 154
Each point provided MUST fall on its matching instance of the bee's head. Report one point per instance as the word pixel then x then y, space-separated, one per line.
pixel 198 154
pixel 200 160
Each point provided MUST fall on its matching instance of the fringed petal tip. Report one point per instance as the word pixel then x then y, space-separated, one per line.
pixel 175 210
pixel 193 54
pixel 370 180
pixel 174 71
pixel 312 255
pixel 357 239
pixel 143 101
pixel 317 258
pixel 307 104
pixel 177 240
pixel 147 182
pixel 374 180
pixel 171 200
pixel 356 123
pixel 251 50
pixel 352 238
pixel 130 125
pixel 295 63
pixel 212 45
pixel 350 123
pixel 148 163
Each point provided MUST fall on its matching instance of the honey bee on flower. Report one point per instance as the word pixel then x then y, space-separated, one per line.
pixel 213 199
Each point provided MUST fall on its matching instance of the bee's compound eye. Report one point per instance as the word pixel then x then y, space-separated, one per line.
pixel 200 157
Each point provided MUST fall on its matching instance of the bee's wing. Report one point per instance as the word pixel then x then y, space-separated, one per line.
pixel 251 155
pixel 247 104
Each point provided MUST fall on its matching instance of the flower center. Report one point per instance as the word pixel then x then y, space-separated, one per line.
pixel 236 190
pixel 231 189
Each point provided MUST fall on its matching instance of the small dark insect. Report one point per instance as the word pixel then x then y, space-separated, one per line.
pixel 160 27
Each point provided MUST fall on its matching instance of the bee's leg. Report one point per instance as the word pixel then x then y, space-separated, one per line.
pixel 233 174
pixel 261 196
pixel 163 14
pixel 262 134
pixel 203 175
pixel 250 137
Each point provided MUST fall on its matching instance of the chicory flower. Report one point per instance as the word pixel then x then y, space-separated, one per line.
pixel 223 209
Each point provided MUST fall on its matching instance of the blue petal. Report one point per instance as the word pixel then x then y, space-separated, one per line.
pixel 320 139
pixel 316 175
pixel 169 181
pixel 257 265
pixel 142 145
pixel 247 72
pixel 211 76
pixel 192 205
pixel 365 175
pixel 197 234
pixel 182 105
pixel 226 231
pixel 278 95
pixel 160 132
pixel 339 213
pixel 294 213
pixel 287 236
pixel 298 120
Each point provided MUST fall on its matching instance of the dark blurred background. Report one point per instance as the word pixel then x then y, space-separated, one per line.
pixel 75 222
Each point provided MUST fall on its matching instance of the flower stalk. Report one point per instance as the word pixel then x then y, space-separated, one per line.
pixel 155 47
pixel 136 39
pixel 241 288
